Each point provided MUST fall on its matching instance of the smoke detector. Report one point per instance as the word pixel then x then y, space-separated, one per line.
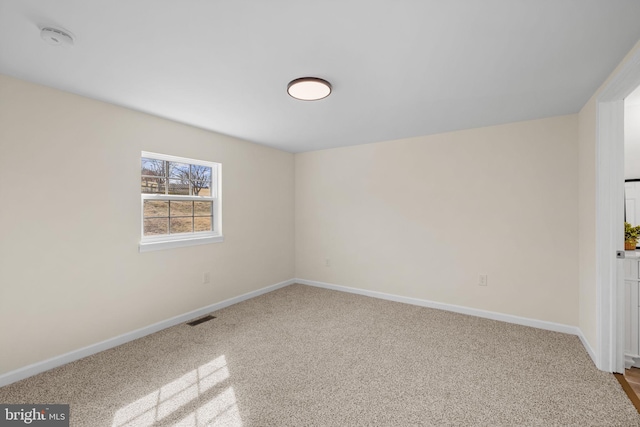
pixel 56 37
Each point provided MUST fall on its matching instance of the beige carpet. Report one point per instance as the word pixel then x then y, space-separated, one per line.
pixel 304 356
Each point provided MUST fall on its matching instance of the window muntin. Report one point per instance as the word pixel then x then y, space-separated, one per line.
pixel 179 199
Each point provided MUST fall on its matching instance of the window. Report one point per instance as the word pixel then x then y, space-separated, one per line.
pixel 180 202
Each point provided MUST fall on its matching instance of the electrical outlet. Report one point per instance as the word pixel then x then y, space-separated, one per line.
pixel 206 278
pixel 327 263
pixel 482 280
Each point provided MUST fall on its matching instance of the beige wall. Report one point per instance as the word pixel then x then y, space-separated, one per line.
pixel 70 271
pixel 587 221
pixel 423 217
pixel 587 212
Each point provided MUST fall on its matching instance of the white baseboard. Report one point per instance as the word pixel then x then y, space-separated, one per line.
pixel 54 362
pixel 534 323
pixel 36 368
pixel 629 361
pixel 587 347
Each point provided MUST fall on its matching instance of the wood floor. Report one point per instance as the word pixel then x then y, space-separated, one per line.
pixel 633 378
pixel 630 383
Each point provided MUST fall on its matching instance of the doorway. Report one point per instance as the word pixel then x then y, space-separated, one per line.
pixel 610 214
pixel 631 262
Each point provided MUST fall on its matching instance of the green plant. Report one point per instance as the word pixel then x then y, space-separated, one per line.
pixel 631 233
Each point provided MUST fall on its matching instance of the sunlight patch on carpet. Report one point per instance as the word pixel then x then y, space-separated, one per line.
pixel 173 397
pixel 219 411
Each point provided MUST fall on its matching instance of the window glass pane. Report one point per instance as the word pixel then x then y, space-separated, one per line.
pixel 155 226
pixel 181 208
pixel 178 186
pixel 152 167
pixel 181 225
pixel 200 173
pixel 201 188
pixel 201 180
pixel 202 223
pixel 156 208
pixel 202 208
pixel 153 185
pixel 179 170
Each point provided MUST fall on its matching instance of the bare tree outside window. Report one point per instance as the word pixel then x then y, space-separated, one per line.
pixel 153 167
pixel 164 177
pixel 200 179
pixel 153 176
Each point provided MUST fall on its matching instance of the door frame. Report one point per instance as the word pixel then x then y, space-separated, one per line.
pixel 610 214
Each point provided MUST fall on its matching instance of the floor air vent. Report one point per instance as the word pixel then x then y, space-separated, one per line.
pixel 201 320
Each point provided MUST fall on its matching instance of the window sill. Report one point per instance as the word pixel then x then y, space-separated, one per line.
pixel 170 244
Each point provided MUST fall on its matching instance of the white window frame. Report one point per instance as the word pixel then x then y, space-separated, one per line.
pixel 168 241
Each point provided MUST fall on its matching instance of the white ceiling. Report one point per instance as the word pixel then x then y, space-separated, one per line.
pixel 399 68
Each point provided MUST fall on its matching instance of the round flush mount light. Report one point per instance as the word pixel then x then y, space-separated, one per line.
pixel 309 88
pixel 56 37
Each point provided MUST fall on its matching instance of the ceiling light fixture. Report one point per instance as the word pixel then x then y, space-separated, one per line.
pixel 309 88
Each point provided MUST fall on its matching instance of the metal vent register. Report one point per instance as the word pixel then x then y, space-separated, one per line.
pixel 201 320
